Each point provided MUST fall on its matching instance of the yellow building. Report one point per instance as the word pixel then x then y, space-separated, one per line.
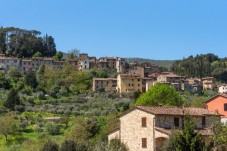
pixel 127 83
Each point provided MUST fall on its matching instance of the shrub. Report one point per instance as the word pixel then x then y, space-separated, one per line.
pixel 115 144
pixel 68 145
pixel 50 146
pixel 19 108
pixel 24 124
pixel 52 128
pixel 41 95
pixel 41 135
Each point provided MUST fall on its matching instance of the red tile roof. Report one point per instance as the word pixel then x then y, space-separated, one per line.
pixel 218 95
pixel 174 110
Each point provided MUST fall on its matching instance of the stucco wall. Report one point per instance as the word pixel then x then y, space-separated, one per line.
pixel 217 104
pixel 132 132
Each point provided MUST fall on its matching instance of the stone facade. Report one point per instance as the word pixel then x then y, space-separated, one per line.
pixel 147 128
pixel 106 84
pixel 132 132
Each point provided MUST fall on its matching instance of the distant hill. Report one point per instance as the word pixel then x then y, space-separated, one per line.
pixel 162 63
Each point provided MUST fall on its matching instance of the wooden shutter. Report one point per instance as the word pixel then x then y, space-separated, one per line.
pixel 144 122
pixel 144 142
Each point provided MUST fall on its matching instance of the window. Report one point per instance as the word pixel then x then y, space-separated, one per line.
pixel 132 84
pixel 138 79
pixel 138 84
pixel 225 107
pixel 128 84
pixel 176 122
pixel 144 142
pixel 144 122
pixel 203 121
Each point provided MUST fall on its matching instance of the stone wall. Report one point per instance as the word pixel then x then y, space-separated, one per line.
pixel 167 121
pixel 132 132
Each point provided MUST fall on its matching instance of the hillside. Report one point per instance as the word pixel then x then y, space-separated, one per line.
pixel 162 63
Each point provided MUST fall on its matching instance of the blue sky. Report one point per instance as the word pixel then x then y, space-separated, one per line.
pixel 155 29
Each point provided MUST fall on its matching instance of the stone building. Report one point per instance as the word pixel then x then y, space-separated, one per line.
pixel 26 65
pixel 137 70
pixel 9 62
pixel 222 88
pixel 83 62
pixel 104 84
pixel 146 128
pixel 127 83
pixel 208 83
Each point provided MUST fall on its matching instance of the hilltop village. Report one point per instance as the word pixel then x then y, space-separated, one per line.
pixel 131 77
pixel 50 94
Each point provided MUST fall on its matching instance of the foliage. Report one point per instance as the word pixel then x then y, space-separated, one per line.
pixel 201 66
pixel 83 129
pixel 40 75
pixel 162 63
pixel 30 79
pixel 188 140
pixel 37 54
pixel 14 73
pixel 50 146
pixel 8 125
pixel 160 94
pixel 115 144
pixel 68 145
pixel 59 55
pixel 220 74
pixel 219 137
pixel 73 54
pixel 12 99
pixel 25 43
pixel 52 128
pixel 4 82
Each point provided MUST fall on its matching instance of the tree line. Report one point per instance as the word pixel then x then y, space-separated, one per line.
pixel 25 43
pixel 202 66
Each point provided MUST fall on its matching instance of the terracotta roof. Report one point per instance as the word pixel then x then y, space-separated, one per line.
pixel 40 58
pixel 220 94
pixel 48 59
pixel 8 58
pixel 129 76
pixel 27 60
pixel 105 79
pixel 52 118
pixel 115 130
pixel 204 132
pixel 173 110
pixel 206 78
pixel 222 85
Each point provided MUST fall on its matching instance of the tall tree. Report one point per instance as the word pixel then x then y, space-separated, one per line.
pixel 8 125
pixel 160 94
pixel 12 99
pixel 30 78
